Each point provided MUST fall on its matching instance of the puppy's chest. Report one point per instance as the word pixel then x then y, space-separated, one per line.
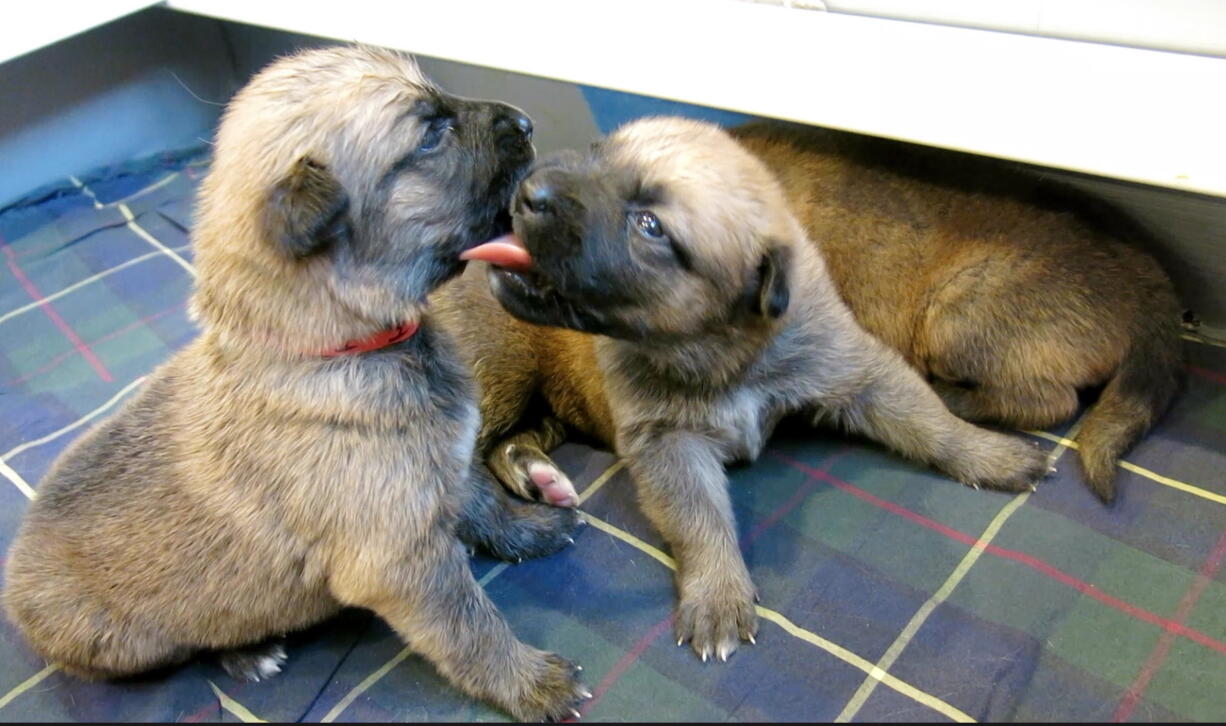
pixel 740 421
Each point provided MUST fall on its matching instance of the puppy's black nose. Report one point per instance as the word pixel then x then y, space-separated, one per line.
pixel 514 123
pixel 537 196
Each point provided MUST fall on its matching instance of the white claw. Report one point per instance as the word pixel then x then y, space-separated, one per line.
pixel 753 640
pixel 585 693
pixel 680 641
pixel 519 560
pixel 1052 470
pixel 579 668
pixel 570 540
pixel 704 656
pixel 576 714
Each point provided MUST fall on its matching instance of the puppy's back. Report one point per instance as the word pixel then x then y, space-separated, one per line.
pixel 72 557
pixel 136 538
pixel 981 272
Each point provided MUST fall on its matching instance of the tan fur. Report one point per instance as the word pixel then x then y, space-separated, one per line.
pixel 253 487
pixel 1007 295
pixel 687 360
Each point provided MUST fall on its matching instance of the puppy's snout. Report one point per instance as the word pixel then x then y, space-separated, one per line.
pixel 513 125
pixel 538 196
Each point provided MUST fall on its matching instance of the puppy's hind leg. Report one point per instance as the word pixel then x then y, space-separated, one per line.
pixel 254 662
pixel 1023 404
pixel 521 464
pixel 508 529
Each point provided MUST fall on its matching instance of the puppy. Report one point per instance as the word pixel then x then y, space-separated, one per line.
pixel 687 314
pixel 312 448
pixel 1005 292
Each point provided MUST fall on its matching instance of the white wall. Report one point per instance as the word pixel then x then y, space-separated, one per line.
pixel 1188 26
pixel 108 96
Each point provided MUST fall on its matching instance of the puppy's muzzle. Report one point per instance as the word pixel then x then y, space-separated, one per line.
pixel 537 197
pixel 541 197
pixel 513 130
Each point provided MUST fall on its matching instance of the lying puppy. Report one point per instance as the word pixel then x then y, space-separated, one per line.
pixel 1005 295
pixel 691 314
pixel 311 449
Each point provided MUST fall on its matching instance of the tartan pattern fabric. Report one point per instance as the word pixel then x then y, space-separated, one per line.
pixel 889 593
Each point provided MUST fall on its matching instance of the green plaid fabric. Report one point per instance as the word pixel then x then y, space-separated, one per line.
pixel 889 593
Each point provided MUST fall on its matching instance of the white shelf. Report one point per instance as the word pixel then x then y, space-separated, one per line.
pixel 29 26
pixel 1141 115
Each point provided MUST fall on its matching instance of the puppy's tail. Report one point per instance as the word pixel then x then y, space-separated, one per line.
pixel 1132 401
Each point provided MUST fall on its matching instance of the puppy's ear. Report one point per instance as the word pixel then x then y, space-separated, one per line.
pixel 307 210
pixel 771 297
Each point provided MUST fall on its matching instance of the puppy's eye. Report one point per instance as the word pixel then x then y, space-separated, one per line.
pixel 436 131
pixel 648 224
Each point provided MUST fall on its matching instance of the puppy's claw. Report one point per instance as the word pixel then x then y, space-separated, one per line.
pixel 680 641
pixel 575 714
pixel 585 693
pixel 753 640
pixel 519 560
pixel 705 653
pixel 570 540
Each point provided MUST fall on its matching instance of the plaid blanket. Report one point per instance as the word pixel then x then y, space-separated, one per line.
pixel 889 593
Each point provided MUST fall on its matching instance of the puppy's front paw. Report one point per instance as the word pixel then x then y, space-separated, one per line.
pixel 554 694
pixel 1005 463
pixel 534 530
pixel 716 618
pixel 256 662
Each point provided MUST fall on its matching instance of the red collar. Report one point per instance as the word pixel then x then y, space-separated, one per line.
pixel 381 339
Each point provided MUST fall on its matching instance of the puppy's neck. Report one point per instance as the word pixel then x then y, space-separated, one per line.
pixel 704 363
pixel 290 347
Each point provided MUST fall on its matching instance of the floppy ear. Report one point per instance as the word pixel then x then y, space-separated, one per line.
pixel 307 210
pixel 772 295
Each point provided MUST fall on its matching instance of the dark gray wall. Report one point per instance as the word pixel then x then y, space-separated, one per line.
pixel 109 95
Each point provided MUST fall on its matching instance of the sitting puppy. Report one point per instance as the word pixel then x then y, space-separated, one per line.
pixel 691 314
pixel 312 448
pixel 998 288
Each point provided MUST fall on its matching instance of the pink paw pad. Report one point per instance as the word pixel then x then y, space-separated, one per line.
pixel 555 488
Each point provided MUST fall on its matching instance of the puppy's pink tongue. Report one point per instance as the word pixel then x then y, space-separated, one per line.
pixel 506 251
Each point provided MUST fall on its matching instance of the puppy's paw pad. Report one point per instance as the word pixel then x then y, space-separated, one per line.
pixel 554 487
